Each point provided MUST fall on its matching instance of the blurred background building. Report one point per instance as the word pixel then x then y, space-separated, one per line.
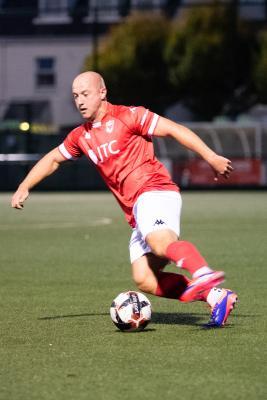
pixel 44 44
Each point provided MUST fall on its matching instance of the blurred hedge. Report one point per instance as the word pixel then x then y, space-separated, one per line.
pixel 208 59
pixel 132 62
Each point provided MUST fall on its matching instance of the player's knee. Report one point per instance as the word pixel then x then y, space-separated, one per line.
pixel 160 240
pixel 140 280
pixel 144 283
pixel 146 287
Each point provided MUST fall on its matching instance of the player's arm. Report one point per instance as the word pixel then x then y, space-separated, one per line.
pixel 220 165
pixel 43 168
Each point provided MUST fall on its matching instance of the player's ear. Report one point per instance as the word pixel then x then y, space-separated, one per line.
pixel 103 93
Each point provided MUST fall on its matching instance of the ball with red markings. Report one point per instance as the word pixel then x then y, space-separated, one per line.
pixel 131 311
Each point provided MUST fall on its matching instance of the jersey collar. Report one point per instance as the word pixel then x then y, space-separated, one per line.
pixel 98 124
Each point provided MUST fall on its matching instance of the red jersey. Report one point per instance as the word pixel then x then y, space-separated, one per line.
pixel 121 148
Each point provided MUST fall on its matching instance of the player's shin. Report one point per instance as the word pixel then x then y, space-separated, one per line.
pixel 186 256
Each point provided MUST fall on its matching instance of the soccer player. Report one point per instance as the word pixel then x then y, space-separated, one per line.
pixel 118 140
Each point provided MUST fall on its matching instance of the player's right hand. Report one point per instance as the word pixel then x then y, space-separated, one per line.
pixel 19 197
pixel 221 166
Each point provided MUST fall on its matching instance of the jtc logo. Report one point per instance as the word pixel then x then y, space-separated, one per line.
pixel 103 151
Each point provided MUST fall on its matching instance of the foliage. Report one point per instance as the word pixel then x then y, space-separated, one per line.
pixel 209 58
pixel 204 60
pixel 132 62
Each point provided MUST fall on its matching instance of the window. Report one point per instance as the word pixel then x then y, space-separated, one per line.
pixel 252 10
pixel 103 11
pixel 53 11
pixel 45 72
pixel 150 4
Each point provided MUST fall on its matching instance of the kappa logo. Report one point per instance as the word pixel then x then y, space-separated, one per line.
pixel 110 126
pixel 159 222
pixel 133 109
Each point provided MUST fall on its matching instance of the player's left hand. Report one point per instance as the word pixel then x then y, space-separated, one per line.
pixel 221 166
pixel 19 198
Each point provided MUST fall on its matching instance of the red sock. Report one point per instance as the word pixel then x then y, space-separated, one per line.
pixel 186 256
pixel 171 285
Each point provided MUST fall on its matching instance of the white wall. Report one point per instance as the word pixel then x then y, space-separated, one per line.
pixel 17 72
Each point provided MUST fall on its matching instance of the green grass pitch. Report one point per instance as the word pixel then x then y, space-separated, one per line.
pixel 65 257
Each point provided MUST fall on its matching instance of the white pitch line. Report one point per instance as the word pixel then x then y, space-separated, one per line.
pixel 61 225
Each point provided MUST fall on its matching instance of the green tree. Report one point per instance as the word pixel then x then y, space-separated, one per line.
pixel 132 61
pixel 209 58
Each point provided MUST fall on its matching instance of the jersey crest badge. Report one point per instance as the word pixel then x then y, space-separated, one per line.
pixel 110 126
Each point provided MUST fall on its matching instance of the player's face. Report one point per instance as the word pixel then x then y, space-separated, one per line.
pixel 88 95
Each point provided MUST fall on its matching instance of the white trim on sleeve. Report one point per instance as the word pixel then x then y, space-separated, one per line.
pixel 153 124
pixel 64 151
pixel 144 117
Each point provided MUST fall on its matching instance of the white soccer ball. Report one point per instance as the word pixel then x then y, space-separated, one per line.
pixel 131 311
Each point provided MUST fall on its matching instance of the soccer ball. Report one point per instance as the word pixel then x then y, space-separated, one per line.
pixel 130 311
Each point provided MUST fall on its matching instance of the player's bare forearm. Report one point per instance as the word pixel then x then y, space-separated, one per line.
pixel 43 168
pixel 220 165
pixel 185 136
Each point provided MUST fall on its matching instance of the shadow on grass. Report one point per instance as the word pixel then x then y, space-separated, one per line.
pixel 145 330
pixel 195 320
pixel 71 316
pixel 163 318
pixel 157 318
pixel 175 318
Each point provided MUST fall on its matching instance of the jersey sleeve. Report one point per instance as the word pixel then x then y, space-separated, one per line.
pixel 143 121
pixel 69 147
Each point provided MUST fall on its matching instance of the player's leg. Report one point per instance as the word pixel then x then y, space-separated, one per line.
pixel 186 256
pixel 148 275
pixel 158 219
pixel 147 270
